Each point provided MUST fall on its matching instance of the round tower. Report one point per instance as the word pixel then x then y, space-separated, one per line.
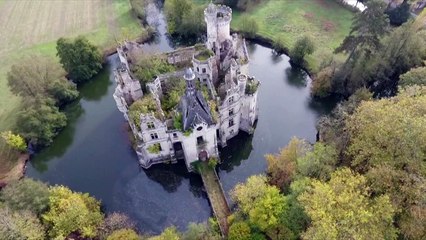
pixel 189 77
pixel 242 82
pixel 210 16
pixel 223 18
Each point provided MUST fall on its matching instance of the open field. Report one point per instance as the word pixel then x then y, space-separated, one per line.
pixel 325 21
pixel 32 26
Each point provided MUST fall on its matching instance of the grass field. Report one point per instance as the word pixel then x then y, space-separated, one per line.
pixel 325 21
pixel 32 27
pixel 29 27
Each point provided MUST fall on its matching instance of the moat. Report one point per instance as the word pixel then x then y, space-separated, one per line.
pixel 93 154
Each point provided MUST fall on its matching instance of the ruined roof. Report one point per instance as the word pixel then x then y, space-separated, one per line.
pixel 195 110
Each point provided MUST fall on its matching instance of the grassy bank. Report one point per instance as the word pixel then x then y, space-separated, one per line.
pixel 326 21
pixel 31 27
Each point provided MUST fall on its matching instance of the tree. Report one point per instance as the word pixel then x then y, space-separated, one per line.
pixel 184 18
pixel 400 14
pixel 37 76
pixel 26 194
pixel 367 28
pixel 303 46
pixel 20 225
pixel 40 121
pixel 200 231
pixel 170 233
pixel 344 209
pixel 72 212
pixel 388 141
pixel 282 167
pixel 248 26
pixel 15 141
pixel 390 131
pixel 262 203
pixel 124 234
pixel 239 231
pixel 416 76
pixel 81 59
pixel 318 163
pixel 114 222
pixel 322 84
pixel 402 50
pixel 332 128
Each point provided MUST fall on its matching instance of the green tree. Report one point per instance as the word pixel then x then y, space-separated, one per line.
pixel 239 231
pixel 20 225
pixel 402 50
pixel 81 59
pixel 200 231
pixel 318 163
pixel 72 212
pixel 124 234
pixel 248 26
pixel 40 121
pixel 400 14
pixel 37 76
pixel 390 131
pixel 416 76
pixel 114 222
pixel 15 141
pixel 303 46
pixel 170 233
pixel 26 194
pixel 282 166
pixel 388 141
pixel 343 209
pixel 367 28
pixel 184 18
pixel 332 128
pixel 262 203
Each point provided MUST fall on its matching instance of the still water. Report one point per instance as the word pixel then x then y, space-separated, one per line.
pixel 93 153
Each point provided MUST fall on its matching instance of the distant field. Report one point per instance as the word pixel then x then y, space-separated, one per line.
pixel 32 27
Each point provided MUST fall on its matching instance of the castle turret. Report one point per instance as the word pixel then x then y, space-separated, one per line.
pixel 210 14
pixel 218 19
pixel 189 77
pixel 224 17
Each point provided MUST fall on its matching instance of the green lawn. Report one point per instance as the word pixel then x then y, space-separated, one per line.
pixel 325 21
pixel 31 27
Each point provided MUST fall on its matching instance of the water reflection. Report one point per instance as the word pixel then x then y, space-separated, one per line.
pixel 238 149
pixel 97 87
pixel 296 77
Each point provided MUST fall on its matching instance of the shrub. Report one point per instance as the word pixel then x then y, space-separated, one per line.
pixel 322 84
pixel 303 46
pixel 142 106
pixel 15 141
pixel 147 68
pixel 124 234
pixel 113 223
pixel 154 148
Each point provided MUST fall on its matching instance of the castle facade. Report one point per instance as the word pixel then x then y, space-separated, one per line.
pixel 219 99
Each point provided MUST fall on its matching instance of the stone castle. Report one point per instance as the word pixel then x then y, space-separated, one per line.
pixel 207 119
